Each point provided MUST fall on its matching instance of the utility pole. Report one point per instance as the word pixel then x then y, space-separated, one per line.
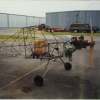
pixel 91 29
pixel 24 41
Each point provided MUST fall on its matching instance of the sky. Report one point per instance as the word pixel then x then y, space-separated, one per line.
pixel 40 7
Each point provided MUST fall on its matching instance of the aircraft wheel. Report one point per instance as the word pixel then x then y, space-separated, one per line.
pixel 68 66
pixel 38 80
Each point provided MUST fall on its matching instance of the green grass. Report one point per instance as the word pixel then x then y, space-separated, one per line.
pixel 74 34
pixel 13 37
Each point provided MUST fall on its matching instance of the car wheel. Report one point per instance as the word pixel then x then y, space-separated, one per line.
pixel 38 80
pixel 68 66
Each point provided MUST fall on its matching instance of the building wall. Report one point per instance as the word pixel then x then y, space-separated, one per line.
pixel 17 21
pixel 3 20
pixel 12 20
pixel 65 19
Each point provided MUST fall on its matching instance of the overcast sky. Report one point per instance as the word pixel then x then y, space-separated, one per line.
pixel 40 7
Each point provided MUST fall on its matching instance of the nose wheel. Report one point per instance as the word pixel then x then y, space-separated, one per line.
pixel 67 66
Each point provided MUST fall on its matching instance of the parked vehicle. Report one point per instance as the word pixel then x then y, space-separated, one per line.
pixel 83 28
pixel 55 29
pixel 80 28
pixel 44 27
pixel 41 26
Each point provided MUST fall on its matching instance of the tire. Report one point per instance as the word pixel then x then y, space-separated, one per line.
pixel 68 66
pixel 38 81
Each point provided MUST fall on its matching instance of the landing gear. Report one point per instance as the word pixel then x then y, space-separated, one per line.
pixel 68 66
pixel 38 80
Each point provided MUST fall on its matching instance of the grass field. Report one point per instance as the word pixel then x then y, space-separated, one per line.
pixel 11 37
pixel 74 34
